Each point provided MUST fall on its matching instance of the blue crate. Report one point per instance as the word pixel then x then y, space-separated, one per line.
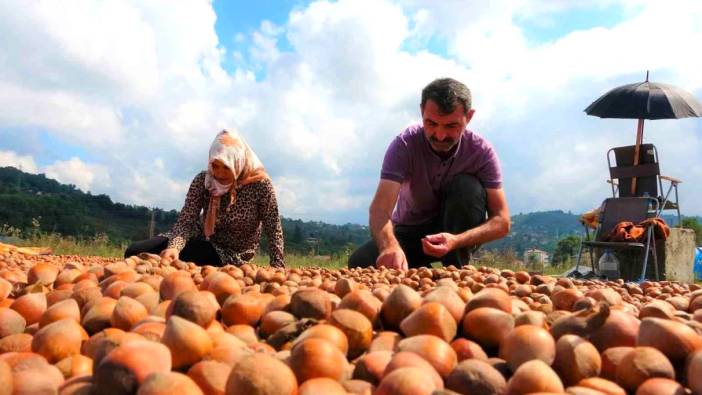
pixel 698 264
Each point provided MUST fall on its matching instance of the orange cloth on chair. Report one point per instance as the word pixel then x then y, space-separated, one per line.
pixel 628 232
pixel 591 218
pixel 660 229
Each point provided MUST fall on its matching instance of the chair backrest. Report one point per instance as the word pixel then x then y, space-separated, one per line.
pixel 616 210
pixel 647 172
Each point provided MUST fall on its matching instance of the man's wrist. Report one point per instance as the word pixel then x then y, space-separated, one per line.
pixel 456 241
pixel 389 245
pixel 385 240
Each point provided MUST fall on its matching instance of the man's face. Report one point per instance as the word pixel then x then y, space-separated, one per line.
pixel 444 130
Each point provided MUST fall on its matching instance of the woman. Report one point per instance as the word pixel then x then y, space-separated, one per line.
pixel 237 197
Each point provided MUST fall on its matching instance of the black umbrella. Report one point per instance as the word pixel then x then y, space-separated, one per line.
pixel 645 100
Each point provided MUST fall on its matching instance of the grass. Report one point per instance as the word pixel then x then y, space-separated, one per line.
pixel 501 263
pixel 98 245
pixel 102 246
pixel 296 260
pixel 61 245
pixel 497 260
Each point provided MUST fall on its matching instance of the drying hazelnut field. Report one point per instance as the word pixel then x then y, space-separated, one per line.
pixel 83 325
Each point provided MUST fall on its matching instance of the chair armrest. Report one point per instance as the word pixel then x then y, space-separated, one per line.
pixel 671 179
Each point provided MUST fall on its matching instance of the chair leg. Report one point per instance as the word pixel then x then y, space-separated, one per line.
pixel 665 200
pixel 655 258
pixel 580 253
pixel 677 206
pixel 646 251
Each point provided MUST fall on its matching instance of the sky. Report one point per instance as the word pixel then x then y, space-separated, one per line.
pixel 124 97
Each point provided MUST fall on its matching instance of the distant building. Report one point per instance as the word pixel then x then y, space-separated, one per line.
pixel 534 255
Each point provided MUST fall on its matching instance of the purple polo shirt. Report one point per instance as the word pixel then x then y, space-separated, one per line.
pixel 423 174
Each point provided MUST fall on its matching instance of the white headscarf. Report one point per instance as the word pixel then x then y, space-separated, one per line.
pixel 231 149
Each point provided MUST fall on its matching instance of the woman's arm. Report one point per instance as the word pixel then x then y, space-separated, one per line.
pixel 186 225
pixel 268 206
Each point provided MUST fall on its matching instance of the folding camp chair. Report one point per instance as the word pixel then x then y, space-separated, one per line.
pixel 614 211
pixel 649 181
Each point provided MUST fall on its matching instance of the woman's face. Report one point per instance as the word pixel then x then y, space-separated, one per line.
pixel 221 172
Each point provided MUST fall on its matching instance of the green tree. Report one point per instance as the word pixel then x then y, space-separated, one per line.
pixel 694 224
pixel 566 248
pixel 297 234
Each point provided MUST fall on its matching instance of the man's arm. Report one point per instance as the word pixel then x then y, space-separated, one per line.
pixel 496 227
pixel 391 254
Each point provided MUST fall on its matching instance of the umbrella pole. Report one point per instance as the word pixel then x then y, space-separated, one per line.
pixel 639 141
pixel 637 149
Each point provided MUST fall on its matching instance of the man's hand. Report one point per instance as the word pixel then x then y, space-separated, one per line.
pixel 391 254
pixel 170 253
pixel 439 244
pixel 392 258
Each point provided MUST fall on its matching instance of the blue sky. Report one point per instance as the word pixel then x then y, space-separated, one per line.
pixel 127 100
pixel 237 20
pixel 561 23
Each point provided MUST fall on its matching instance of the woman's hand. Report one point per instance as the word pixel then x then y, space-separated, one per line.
pixel 170 253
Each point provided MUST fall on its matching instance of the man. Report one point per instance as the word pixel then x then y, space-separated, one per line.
pixel 437 183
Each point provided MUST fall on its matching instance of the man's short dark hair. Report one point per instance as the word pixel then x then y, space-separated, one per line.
pixel 447 93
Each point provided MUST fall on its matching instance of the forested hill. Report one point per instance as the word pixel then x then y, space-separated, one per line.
pixel 540 230
pixel 67 210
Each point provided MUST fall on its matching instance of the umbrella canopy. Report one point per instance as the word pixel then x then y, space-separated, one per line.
pixel 646 100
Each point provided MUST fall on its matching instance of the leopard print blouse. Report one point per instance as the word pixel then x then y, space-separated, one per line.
pixel 237 229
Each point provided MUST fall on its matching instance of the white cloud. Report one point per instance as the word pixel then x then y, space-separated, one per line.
pixel 299 201
pixel 140 86
pixel 265 43
pixel 71 116
pixel 84 176
pixel 86 47
pixel 149 186
pixel 24 162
